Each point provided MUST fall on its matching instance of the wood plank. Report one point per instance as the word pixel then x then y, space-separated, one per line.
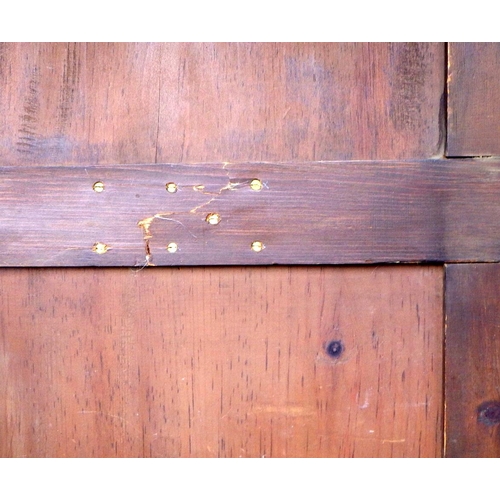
pixel 472 369
pixel 78 103
pixel 242 102
pixel 88 103
pixel 207 362
pixel 473 99
pixel 314 213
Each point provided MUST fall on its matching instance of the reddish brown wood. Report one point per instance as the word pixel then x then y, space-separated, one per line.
pixel 226 362
pixel 315 213
pixel 221 362
pixel 473 99
pixel 472 360
pixel 87 103
pixel 78 103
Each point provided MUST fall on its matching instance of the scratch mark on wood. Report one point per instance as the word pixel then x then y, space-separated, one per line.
pixel 146 223
pixel 96 412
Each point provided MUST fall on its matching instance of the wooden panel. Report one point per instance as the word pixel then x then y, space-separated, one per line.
pixel 221 362
pixel 472 360
pixel 79 104
pixel 316 213
pixel 473 99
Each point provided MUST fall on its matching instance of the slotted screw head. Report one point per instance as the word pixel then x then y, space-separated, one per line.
pixel 172 247
pixel 213 219
pixel 100 248
pixel 98 187
pixel 171 187
pixel 257 246
pixel 256 185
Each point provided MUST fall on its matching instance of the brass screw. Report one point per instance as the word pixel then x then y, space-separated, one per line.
pixel 171 187
pixel 98 187
pixel 172 247
pixel 256 185
pixel 213 219
pixel 257 246
pixel 100 248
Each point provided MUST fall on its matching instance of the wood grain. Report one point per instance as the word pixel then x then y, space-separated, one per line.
pixel 78 103
pixel 472 360
pixel 314 213
pixel 207 362
pixel 88 103
pixel 473 99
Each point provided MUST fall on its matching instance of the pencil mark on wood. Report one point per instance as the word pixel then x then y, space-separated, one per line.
pixel 70 81
pixel 27 133
pixel 408 86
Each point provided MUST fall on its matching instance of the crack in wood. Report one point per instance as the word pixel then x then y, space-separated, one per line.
pixel 146 223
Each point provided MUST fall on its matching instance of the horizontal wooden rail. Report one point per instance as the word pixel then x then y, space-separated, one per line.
pixel 251 214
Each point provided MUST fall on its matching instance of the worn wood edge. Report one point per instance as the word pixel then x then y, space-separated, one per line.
pixel 446 304
pixel 305 213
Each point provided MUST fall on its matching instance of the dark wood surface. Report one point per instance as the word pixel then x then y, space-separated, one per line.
pixel 473 99
pixel 207 362
pixel 315 213
pixel 472 370
pixel 88 103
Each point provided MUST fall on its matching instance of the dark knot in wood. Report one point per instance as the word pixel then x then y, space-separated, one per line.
pixel 334 348
pixel 488 413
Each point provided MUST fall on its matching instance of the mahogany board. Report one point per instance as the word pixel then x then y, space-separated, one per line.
pixel 114 103
pixel 229 362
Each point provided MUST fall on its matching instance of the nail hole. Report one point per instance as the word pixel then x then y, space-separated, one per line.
pixel 257 246
pixel 171 187
pixel 100 248
pixel 488 413
pixel 213 219
pixel 256 185
pixel 172 247
pixel 335 348
pixel 98 187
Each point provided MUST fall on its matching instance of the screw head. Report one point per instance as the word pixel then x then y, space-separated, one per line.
pixel 256 185
pixel 257 246
pixel 172 247
pixel 213 219
pixel 171 187
pixel 98 187
pixel 100 248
